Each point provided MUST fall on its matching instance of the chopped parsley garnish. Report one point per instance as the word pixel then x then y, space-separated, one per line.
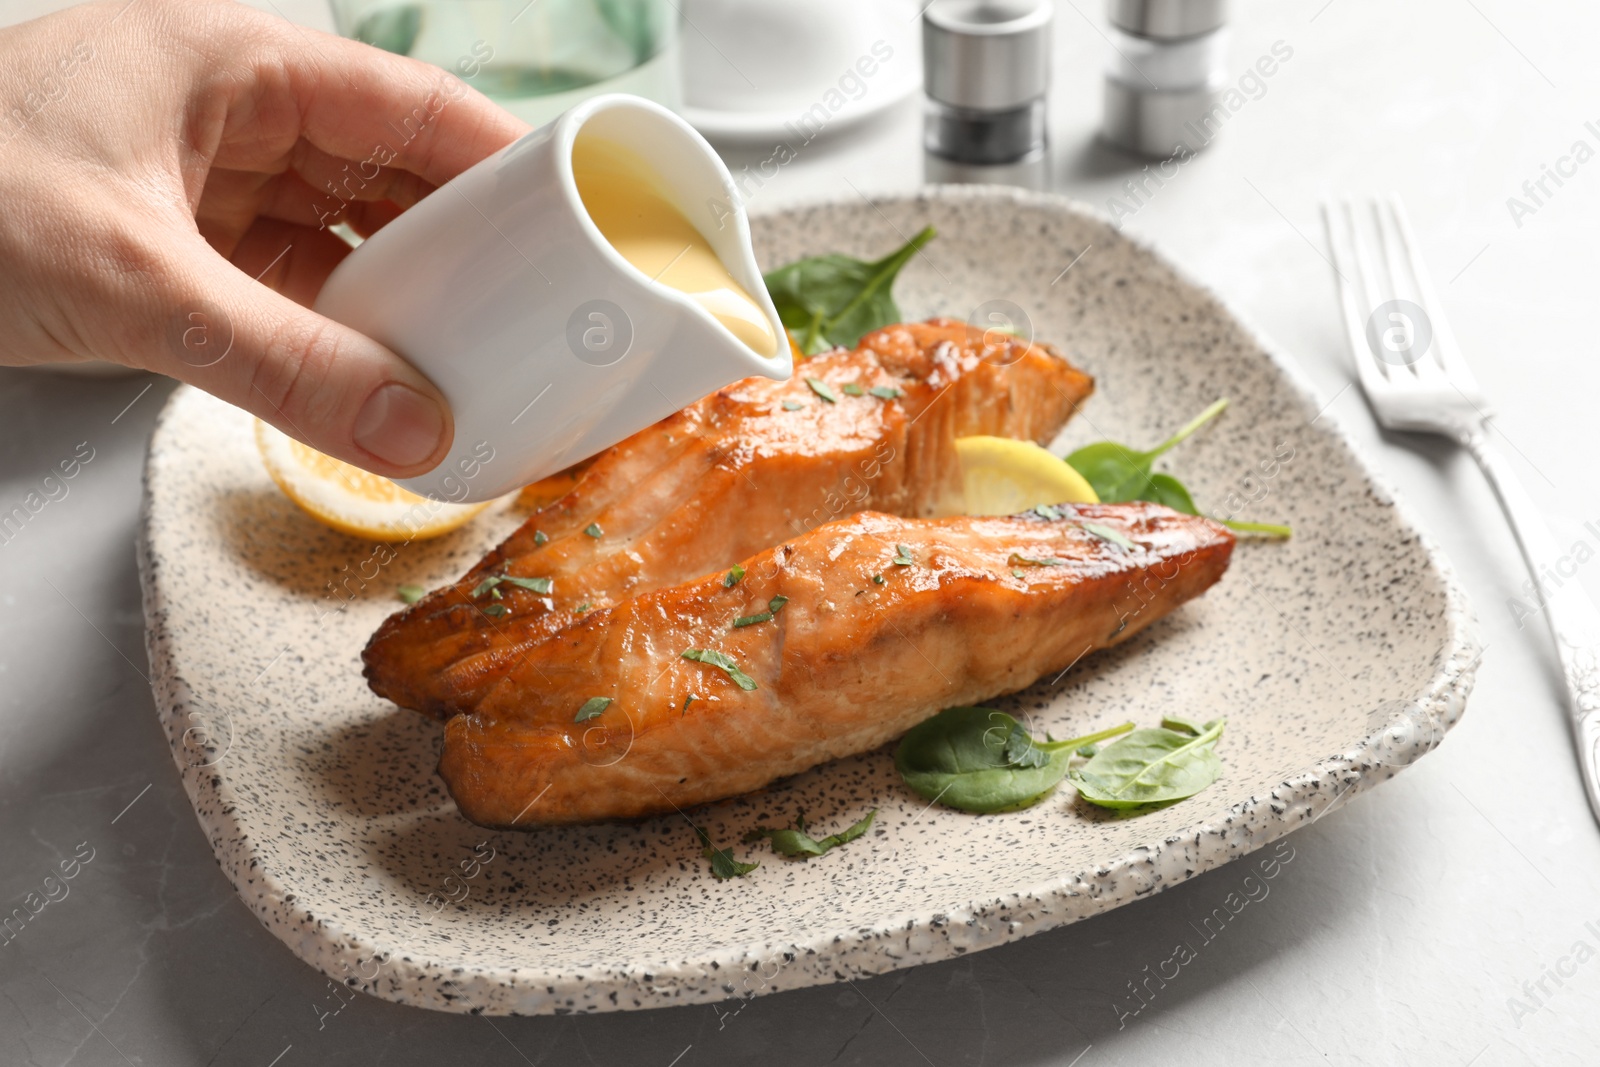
pixel 491 585
pixel 877 579
pixel 1016 572
pixel 540 537
pixel 852 389
pixel 774 606
pixel 1106 533
pixel 716 659
pixel 1045 511
pixel 593 529
pixel 792 405
pixel 410 593
pixel 723 865
pixel 731 579
pixel 686 702
pixel 796 842
pixel 496 610
pixel 903 556
pixel 1046 561
pixel 822 389
pixel 592 708
pixel 885 392
pixel 585 606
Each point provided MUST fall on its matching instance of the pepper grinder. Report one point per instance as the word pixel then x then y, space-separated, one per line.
pixel 986 71
pixel 1165 73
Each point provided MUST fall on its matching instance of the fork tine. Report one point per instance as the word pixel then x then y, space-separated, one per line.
pixel 1445 349
pixel 1402 285
pixel 1338 221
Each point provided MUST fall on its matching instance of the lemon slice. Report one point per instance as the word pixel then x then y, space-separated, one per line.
pixel 1004 477
pixel 352 500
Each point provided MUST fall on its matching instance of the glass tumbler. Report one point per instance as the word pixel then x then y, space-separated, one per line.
pixel 535 58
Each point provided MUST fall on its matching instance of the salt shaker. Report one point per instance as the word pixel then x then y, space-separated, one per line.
pixel 1165 73
pixel 986 70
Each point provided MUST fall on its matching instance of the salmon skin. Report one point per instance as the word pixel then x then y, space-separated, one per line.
pixel 611 720
pixel 741 470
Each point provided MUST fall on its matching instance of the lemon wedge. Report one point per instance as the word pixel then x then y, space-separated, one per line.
pixel 1004 477
pixel 352 500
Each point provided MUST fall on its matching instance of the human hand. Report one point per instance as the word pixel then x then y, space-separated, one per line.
pixel 169 169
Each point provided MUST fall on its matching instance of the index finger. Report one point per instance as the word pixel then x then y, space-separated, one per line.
pixel 353 98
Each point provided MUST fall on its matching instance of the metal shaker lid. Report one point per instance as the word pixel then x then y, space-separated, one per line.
pixel 1167 19
pixel 986 55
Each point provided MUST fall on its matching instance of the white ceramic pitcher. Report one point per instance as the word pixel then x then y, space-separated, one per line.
pixel 548 344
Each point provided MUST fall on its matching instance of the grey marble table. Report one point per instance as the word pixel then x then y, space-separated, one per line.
pixel 1450 917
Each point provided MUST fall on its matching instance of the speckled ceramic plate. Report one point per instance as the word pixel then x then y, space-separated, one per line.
pixel 1338 658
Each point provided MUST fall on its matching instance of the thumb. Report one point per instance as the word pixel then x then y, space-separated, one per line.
pixel 331 387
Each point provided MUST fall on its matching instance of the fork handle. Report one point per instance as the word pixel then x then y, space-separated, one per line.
pixel 1573 619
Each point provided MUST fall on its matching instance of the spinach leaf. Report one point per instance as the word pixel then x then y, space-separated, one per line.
pixel 982 760
pixel 796 842
pixel 1156 765
pixel 1120 473
pixel 827 301
pixel 723 865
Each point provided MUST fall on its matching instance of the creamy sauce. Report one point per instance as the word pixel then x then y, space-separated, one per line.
pixel 653 235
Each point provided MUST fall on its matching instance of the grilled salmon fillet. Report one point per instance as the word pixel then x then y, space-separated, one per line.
pixel 842 663
pixel 741 470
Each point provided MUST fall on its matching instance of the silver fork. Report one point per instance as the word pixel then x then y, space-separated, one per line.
pixel 1416 379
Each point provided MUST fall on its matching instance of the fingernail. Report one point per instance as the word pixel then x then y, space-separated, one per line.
pixel 399 425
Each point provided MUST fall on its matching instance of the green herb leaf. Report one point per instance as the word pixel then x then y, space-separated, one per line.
pixel 1166 490
pixel 797 843
pixel 776 604
pixel 828 301
pixel 1182 725
pixel 1151 766
pixel 1277 530
pixel 885 392
pixel 792 405
pixel 750 620
pixel 723 865
pixel 982 760
pixel 1088 751
pixel 593 529
pixel 540 537
pixel 903 556
pixel 581 608
pixel 731 579
pixel 410 593
pixel 1106 533
pixel 1120 473
pixel 686 702
pixel 537 585
pixel 1046 561
pixel 877 579
pixel 822 389
pixel 852 389
pixel 1045 511
pixel 496 610
pixel 716 659
pixel 1016 572
pixel 592 708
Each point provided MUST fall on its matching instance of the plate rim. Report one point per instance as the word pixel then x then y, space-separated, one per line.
pixel 1297 800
